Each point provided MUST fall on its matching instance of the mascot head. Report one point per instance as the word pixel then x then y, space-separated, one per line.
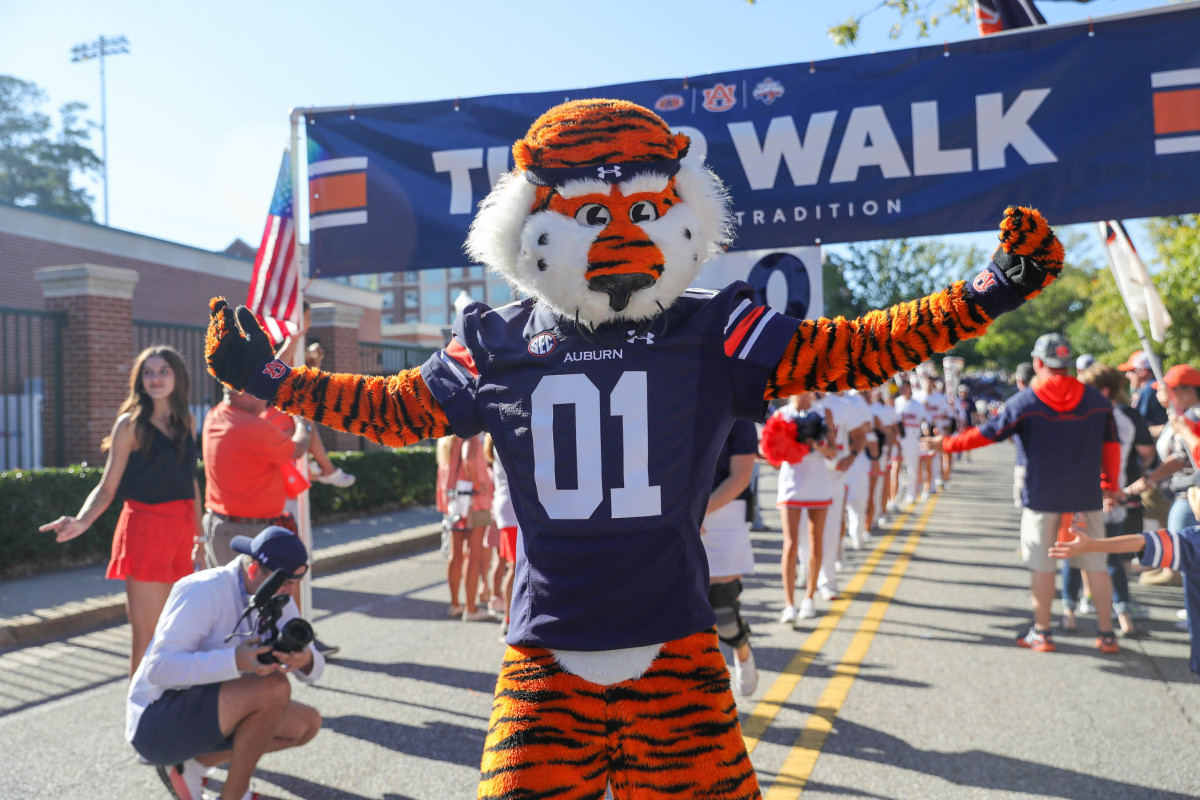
pixel 604 217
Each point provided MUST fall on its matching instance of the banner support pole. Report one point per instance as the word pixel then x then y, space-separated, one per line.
pixel 303 510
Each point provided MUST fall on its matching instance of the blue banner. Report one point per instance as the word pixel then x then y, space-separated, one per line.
pixel 1086 122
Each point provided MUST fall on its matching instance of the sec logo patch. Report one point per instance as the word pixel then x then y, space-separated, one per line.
pixel 543 344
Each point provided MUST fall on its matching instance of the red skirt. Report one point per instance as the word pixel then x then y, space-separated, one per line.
pixel 153 542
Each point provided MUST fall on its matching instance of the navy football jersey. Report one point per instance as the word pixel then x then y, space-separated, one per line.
pixel 609 439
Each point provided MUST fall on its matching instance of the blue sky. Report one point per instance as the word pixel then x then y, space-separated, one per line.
pixel 198 110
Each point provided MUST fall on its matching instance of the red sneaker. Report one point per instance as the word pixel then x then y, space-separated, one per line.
pixel 1041 641
pixel 1106 642
pixel 185 781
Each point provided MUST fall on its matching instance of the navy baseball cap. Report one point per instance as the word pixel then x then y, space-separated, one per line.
pixel 275 548
pixel 1053 349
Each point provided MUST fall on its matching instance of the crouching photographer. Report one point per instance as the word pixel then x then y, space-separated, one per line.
pixel 213 685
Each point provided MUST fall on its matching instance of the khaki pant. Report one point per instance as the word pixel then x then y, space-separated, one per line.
pixel 218 533
pixel 1039 531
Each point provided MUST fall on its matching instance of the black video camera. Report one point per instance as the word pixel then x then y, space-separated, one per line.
pixel 296 634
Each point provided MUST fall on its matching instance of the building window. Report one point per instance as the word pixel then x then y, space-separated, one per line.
pixel 412 298
pixel 389 300
pixel 435 317
pixel 385 319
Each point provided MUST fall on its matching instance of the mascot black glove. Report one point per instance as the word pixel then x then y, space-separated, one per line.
pixel 1029 259
pixel 239 352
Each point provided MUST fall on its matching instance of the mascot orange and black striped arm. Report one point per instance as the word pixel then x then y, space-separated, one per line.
pixel 608 391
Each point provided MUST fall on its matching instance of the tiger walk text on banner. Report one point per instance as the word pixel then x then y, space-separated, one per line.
pixel 1086 121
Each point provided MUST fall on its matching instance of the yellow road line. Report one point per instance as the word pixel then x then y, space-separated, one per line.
pixel 804 753
pixel 756 724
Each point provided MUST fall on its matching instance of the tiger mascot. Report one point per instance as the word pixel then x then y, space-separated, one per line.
pixel 608 392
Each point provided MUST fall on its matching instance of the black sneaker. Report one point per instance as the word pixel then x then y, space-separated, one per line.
pixel 327 650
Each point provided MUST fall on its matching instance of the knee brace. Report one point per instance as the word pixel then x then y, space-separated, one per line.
pixel 731 628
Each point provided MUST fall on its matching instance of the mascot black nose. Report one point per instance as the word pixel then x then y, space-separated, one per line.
pixel 619 287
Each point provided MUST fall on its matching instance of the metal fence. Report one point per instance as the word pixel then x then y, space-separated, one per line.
pixel 31 379
pixel 205 391
pixel 388 358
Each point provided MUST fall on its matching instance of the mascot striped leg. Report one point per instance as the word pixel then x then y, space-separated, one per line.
pixel 672 733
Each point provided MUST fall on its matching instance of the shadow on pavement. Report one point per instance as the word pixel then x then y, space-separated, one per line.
pixel 483 682
pixel 315 791
pixel 975 768
pixel 373 604
pixel 439 741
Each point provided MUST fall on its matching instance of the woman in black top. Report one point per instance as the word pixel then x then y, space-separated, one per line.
pixel 152 465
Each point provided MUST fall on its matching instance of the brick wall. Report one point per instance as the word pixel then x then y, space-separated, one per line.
pixel 171 283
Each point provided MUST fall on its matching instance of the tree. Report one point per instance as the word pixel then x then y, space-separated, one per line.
pixel 1105 328
pixel 37 165
pixel 1177 240
pixel 882 273
pixel 921 15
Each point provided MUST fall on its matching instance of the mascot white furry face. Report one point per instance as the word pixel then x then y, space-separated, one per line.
pixel 605 216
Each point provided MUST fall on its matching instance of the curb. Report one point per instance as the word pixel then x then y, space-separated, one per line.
pixel 71 619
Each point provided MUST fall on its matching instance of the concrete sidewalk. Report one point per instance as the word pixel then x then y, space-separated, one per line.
pixel 71 601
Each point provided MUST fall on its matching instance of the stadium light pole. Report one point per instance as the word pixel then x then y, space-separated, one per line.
pixel 99 49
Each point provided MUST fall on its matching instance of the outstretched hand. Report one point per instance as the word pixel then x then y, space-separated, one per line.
pixel 235 347
pixel 1029 254
pixel 65 528
pixel 1079 543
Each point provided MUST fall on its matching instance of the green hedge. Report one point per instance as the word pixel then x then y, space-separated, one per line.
pixel 28 498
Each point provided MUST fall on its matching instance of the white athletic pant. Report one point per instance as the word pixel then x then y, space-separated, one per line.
pixel 858 484
pixel 911 454
pixel 827 577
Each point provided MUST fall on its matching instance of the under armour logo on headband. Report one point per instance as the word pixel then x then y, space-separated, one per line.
pixel 609 173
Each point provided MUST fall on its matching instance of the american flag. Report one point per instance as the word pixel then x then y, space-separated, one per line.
pixel 994 16
pixel 274 288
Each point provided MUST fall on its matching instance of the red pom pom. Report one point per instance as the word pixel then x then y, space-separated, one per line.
pixel 779 442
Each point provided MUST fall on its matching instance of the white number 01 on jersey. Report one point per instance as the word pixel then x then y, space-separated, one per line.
pixel 628 401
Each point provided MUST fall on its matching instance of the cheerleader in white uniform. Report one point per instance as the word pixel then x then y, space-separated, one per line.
pixel 804 489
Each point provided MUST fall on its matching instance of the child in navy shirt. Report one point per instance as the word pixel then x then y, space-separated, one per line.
pixel 1179 551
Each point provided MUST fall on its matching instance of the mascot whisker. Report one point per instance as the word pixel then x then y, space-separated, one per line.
pixel 612 677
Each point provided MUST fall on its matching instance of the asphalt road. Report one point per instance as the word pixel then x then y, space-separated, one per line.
pixel 908 687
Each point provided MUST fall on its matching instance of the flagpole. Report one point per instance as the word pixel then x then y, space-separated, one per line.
pixel 303 511
pixel 1147 348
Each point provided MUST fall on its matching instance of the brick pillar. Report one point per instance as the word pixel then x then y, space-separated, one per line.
pixel 335 326
pixel 97 350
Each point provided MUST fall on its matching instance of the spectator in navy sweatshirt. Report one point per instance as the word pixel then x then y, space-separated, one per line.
pixel 1072 457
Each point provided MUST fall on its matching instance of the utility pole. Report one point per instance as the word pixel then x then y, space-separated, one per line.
pixel 99 49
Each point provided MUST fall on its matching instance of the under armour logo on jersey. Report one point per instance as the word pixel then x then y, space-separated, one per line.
pixel 634 337
pixel 614 170
pixel 983 281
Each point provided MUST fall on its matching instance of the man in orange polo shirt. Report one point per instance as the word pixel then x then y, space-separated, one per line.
pixel 244 455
